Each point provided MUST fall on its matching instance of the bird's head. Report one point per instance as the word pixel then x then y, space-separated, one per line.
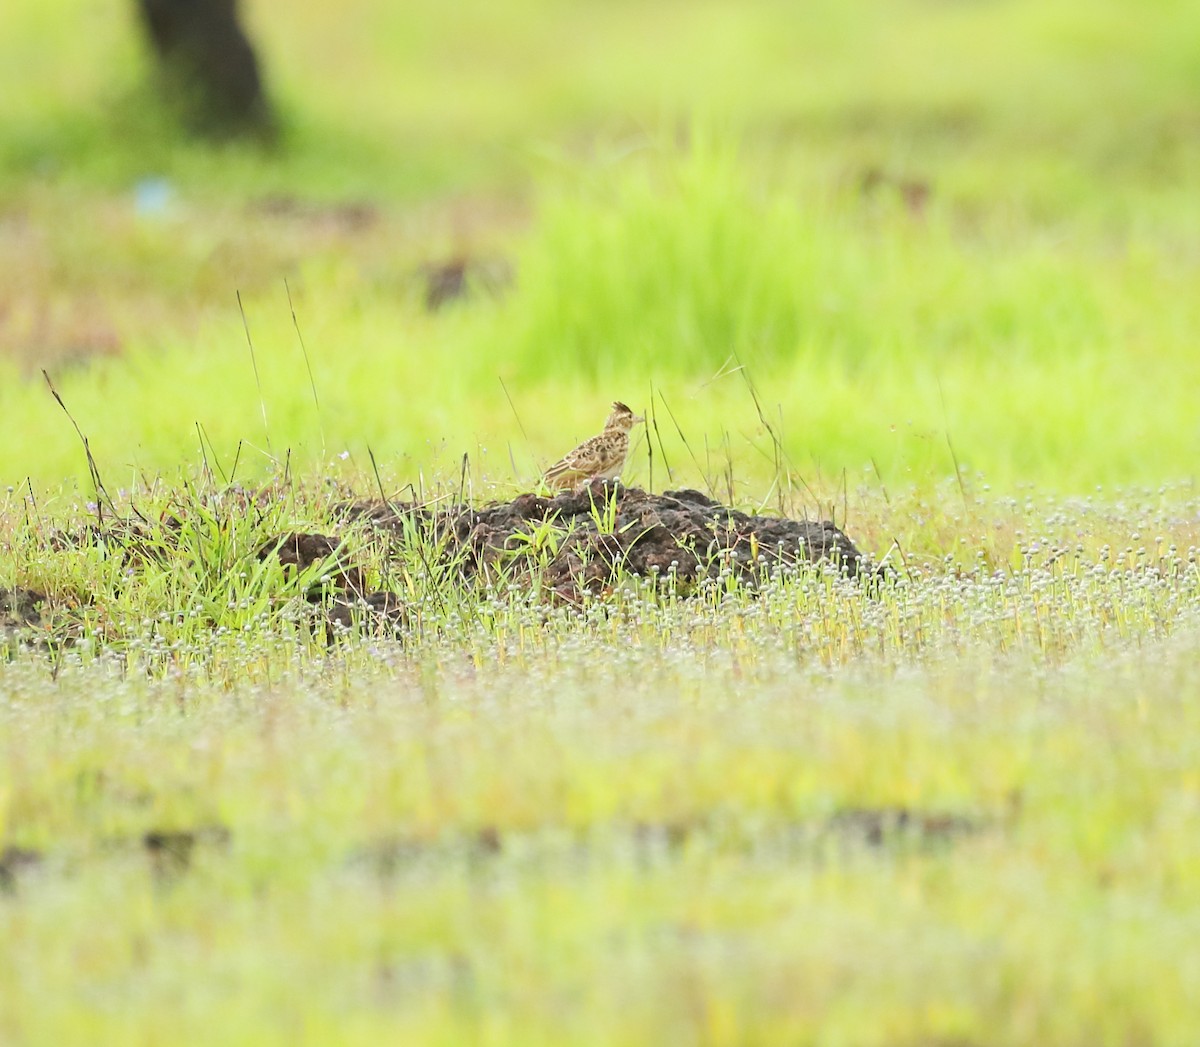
pixel 622 417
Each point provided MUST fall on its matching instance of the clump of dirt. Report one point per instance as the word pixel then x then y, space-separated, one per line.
pixel 591 536
pixel 171 850
pixel 31 617
pixel 20 609
pixel 13 862
pixel 344 593
pixel 299 551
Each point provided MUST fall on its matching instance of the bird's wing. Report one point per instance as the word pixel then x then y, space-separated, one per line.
pixel 586 460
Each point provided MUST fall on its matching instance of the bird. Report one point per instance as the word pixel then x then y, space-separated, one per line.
pixel 599 457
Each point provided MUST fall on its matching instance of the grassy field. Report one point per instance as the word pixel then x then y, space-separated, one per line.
pixel 926 269
pixel 911 225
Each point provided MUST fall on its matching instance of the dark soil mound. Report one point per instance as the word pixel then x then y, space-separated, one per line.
pixel 562 547
pixel 20 606
pixel 344 593
pixel 20 614
pixel 29 617
pixel 585 539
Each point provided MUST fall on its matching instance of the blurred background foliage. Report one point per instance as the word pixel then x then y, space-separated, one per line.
pixel 920 224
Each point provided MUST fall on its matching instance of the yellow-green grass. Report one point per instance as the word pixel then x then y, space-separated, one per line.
pixel 663 869
pixel 955 809
pixel 880 342
pixel 950 246
pixel 1035 313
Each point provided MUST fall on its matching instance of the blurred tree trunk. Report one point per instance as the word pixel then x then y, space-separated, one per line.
pixel 209 69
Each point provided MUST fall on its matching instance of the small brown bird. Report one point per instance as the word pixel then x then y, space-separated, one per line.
pixel 600 457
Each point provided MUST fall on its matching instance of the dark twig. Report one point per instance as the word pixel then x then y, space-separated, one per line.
pixel 691 453
pixel 93 469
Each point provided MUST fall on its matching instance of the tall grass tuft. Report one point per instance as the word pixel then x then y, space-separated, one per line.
pixel 677 258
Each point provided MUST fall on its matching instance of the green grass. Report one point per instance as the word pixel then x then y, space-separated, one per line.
pixel 877 340
pixel 646 821
pixel 927 269
pixel 1037 314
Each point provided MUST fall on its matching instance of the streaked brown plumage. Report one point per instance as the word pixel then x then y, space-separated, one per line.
pixel 601 456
